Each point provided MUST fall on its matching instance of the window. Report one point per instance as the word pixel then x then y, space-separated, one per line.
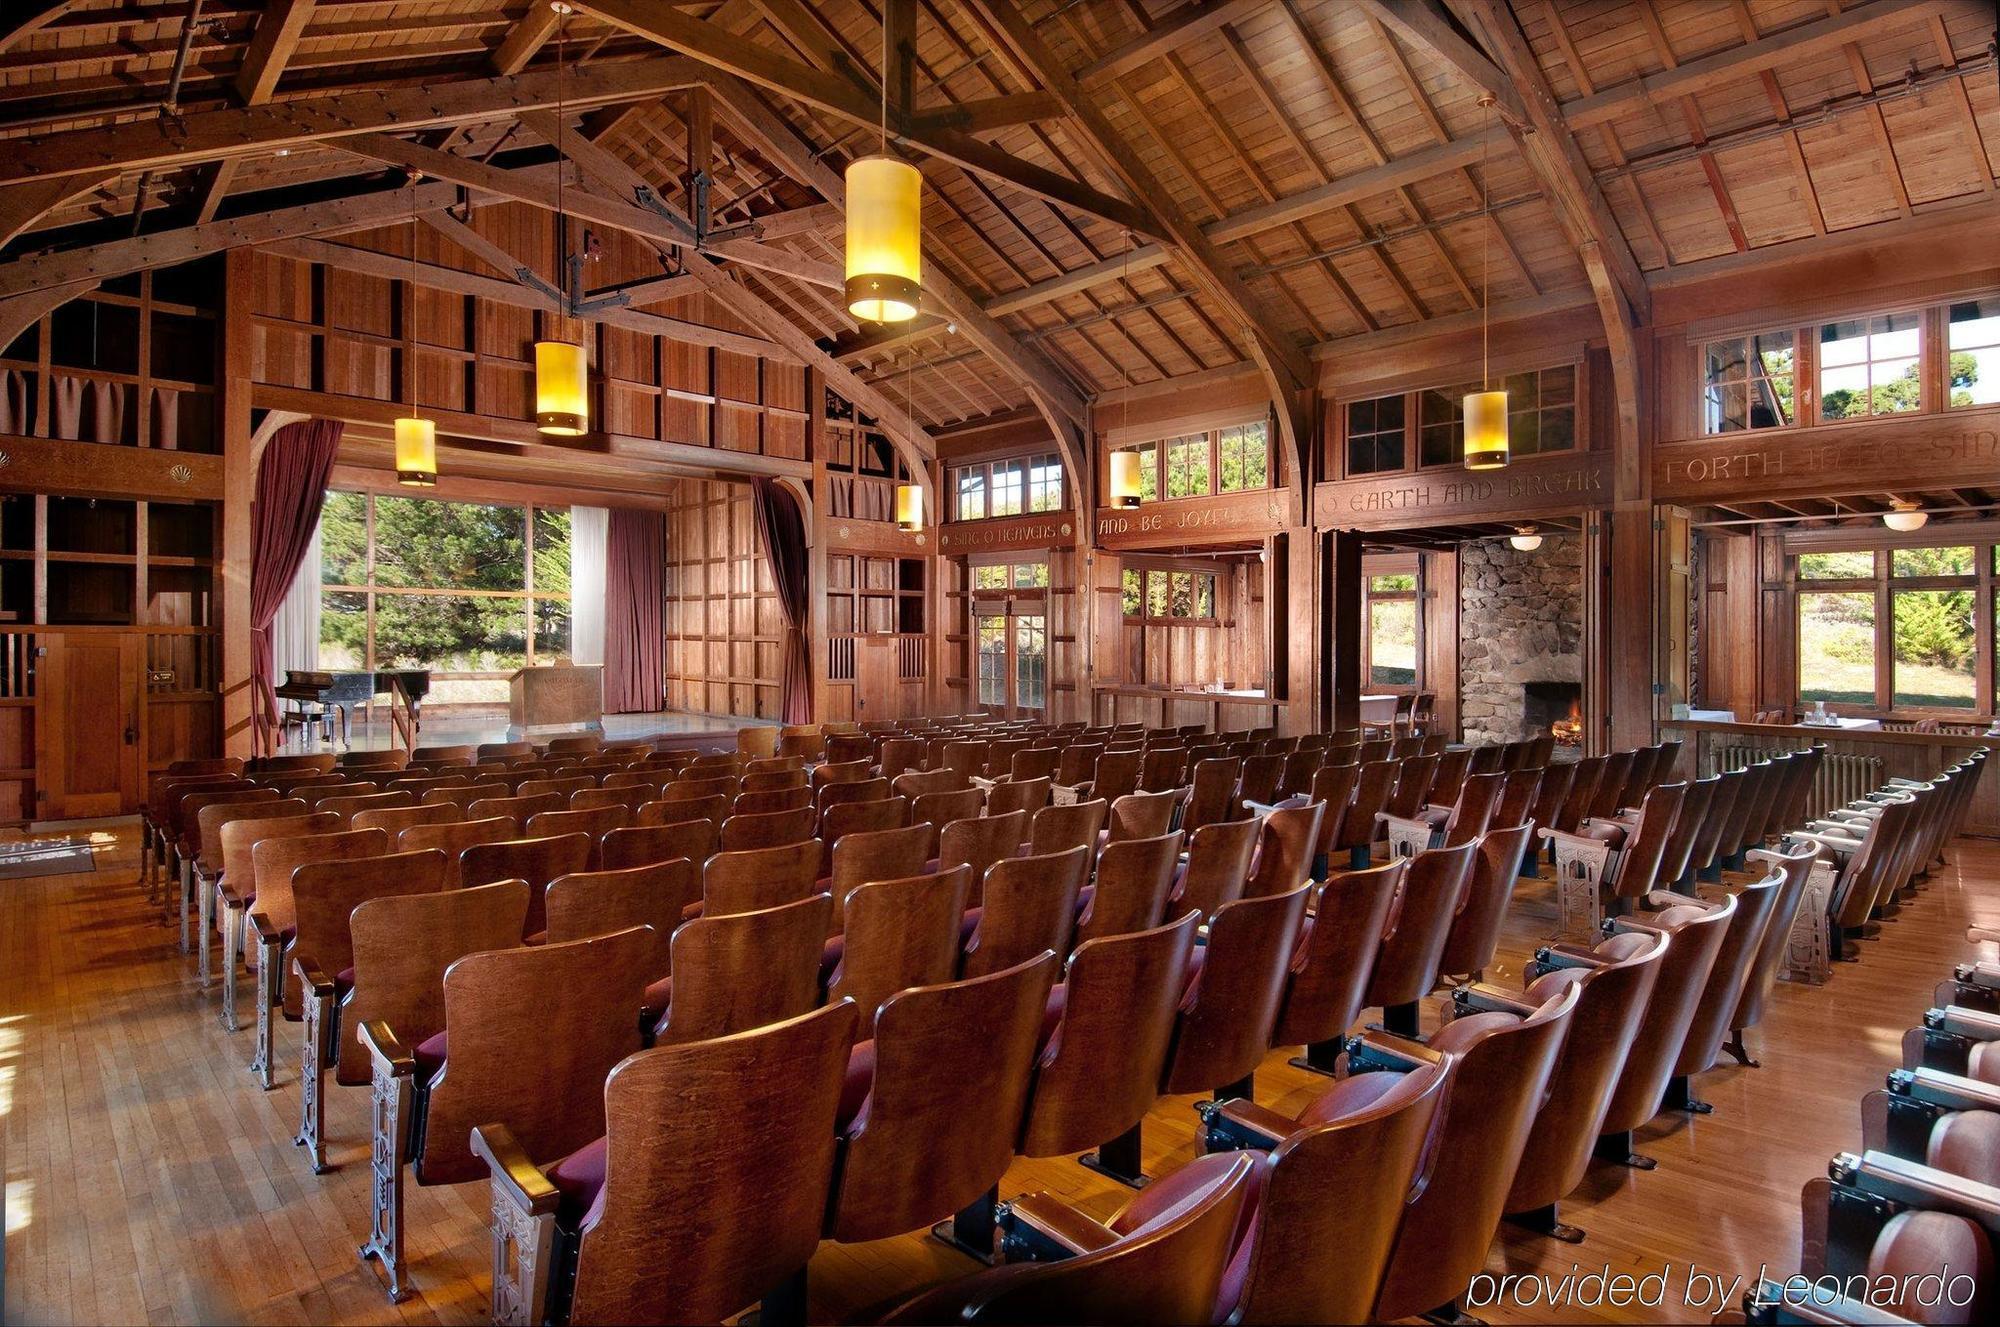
pixel 1893 630
pixel 1011 576
pixel 467 590
pixel 1391 617
pixel 1837 647
pixel 1244 458
pixel 1932 593
pixel 1973 340
pixel 1187 466
pixel 991 630
pixel 1869 366
pixel 989 578
pixel 1836 566
pixel 1749 382
pixel 1008 487
pixel 1441 424
pixel 1162 593
pixel 1375 435
pixel 1234 459
pixel 1541 411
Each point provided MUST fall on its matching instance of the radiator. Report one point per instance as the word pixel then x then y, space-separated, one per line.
pixel 1842 777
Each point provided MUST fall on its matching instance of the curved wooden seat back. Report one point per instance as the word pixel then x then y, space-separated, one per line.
pixel 945 1104
pixel 767 829
pixel 1026 796
pixel 1406 964
pixel 1218 866
pixel 1261 776
pixel 851 790
pixel 900 933
pixel 1078 762
pixel 1377 778
pixel 1116 775
pixel 1028 905
pixel 1057 827
pixel 444 755
pixel 318 762
pixel 561 787
pixel 864 818
pixel 167 793
pixel 967 757
pixel 627 796
pixel 878 854
pixel 1333 786
pixel 635 778
pixel 1734 961
pixel 1300 766
pixel 1694 937
pixel 1168 1263
pixel 288 784
pixel 1805 770
pixel 1675 856
pixel 768 800
pixel 463 795
pixel 1000 756
pixel 1475 932
pixel 348 807
pixel 696 1129
pixel 587 903
pixel 760 740
pixel 1496 1088
pixel 518 808
pixel 1135 877
pixel 394 820
pixel 1702 851
pixel 943 808
pixel 453 837
pixel 1311 1260
pixel 1763 822
pixel 575 743
pixel 844 749
pixel 273 860
pixel 402 945
pixel 1329 975
pixel 1639 777
pixel 900 755
pixel 1752 800
pixel 276 820
pixel 711 808
pixel 1212 794
pixel 1101 1071
pixel 915 783
pixel 1585 776
pixel 1414 776
pixel 318 794
pixel 1518 796
pixel 759 878
pixel 1143 815
pixel 1452 767
pixel 1285 850
pixel 649 845
pixel 1231 1010
pixel 1032 764
pixel 532 1034
pixel 1795 865
pixel 742 970
pixel 1473 811
pixel 325 895
pixel 979 843
pixel 1608 796
pixel 1602 1029
pixel 536 860
pixel 1487 758
pixel 217 807
pixel 1551 793
pixel 1645 848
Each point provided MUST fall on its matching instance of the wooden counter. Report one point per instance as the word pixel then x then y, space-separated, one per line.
pixel 1712 747
pixel 1170 707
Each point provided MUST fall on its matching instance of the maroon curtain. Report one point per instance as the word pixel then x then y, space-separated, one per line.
pixel 635 554
pixel 291 488
pixel 782 530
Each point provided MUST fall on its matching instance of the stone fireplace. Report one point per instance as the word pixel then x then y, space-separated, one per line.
pixel 1520 636
pixel 1546 705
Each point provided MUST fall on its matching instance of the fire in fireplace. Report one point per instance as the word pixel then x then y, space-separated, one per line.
pixel 1555 708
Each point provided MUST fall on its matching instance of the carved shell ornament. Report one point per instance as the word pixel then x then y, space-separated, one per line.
pixel 5 460
pixel 1065 529
pixel 180 474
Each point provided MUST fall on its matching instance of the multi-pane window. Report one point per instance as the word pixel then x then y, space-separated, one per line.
pixel 1749 382
pixel 1441 424
pixel 1168 593
pixel 1011 576
pixel 467 590
pixel 1870 366
pixel 1375 434
pixel 1893 629
pixel 1972 339
pixel 1391 616
pixel 1008 487
pixel 1541 411
pixel 1234 459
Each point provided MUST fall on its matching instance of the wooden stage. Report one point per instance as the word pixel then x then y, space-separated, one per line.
pixel 149 1180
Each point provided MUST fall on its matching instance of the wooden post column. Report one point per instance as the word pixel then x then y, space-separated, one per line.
pixel 239 485
pixel 1341 626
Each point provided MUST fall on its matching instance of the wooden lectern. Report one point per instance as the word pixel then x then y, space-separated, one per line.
pixel 565 698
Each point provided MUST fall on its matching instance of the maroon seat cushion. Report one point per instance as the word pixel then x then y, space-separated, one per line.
pixel 830 956
pixel 653 1004
pixel 1052 1016
pixel 429 1055
pixel 855 1086
pixel 343 981
pixel 579 1179
pixel 1605 831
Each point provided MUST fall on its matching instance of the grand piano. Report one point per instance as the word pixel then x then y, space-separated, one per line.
pixel 338 693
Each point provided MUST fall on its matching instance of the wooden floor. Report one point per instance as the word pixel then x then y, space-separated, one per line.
pixel 148 1179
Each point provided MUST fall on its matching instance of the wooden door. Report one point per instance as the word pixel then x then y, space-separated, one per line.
pixel 877 689
pixel 87 698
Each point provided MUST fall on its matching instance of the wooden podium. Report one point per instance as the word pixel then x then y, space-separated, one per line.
pixel 565 698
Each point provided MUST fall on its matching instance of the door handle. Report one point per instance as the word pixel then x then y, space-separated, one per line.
pixel 131 737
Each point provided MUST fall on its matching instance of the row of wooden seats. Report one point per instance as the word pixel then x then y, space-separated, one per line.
pixel 1919 1204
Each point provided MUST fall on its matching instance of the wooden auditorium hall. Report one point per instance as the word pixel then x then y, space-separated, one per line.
pixel 1112 662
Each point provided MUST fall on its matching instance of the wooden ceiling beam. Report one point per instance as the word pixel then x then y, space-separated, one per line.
pixel 212 135
pixel 22 205
pixel 526 38
pixel 1424 25
pixel 986 114
pixel 1552 152
pixel 742 58
pixel 1189 23
pixel 277 37
pixel 1288 373
pixel 99 262
pixel 607 170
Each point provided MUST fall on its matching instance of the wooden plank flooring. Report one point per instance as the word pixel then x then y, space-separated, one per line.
pixel 148 1179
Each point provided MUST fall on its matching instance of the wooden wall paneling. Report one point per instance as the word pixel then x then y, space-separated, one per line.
pixel 1673 638
pixel 239 483
pixel 1343 632
pixel 1596 632
pixel 1777 627
pixel 722 625
pixel 1438 624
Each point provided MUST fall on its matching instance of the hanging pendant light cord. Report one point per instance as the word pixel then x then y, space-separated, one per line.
pixel 409 370
pixel 562 171
pixel 1485 252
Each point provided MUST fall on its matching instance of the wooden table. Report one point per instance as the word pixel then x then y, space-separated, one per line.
pixel 1170 707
